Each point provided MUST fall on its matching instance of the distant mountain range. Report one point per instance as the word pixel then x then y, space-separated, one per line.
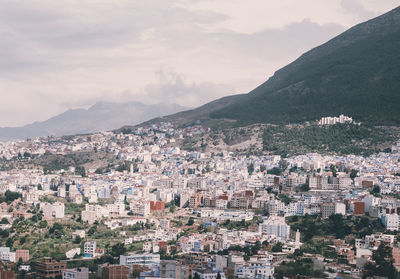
pixel 356 73
pixel 102 116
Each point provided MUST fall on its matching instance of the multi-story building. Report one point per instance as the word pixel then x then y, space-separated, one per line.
pixel 240 202
pixel 330 208
pixel 275 227
pixel 76 273
pixel 49 268
pixel 6 255
pixel 115 271
pixel 7 274
pixel 147 259
pixel 396 256
pixel 116 209
pixel 22 254
pixel 335 120
pixel 391 221
pixel 89 248
pixel 207 274
pixel 195 200
pixel 173 269
pixel 250 271
pixel 164 224
pixel 55 210
pixel 140 208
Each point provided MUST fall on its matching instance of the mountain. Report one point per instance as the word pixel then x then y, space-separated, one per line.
pixel 356 74
pixel 102 116
pixel 200 114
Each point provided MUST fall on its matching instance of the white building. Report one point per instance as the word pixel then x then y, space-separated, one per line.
pixel 275 227
pixel 90 248
pixel 76 273
pixel 147 259
pixel 93 213
pixel 334 120
pixel 207 274
pixel 6 255
pixel 371 200
pixel 116 208
pixel 70 254
pixel 55 210
pixel 391 221
pixel 250 271
pixel 340 208
pixel 140 208
pixel 164 224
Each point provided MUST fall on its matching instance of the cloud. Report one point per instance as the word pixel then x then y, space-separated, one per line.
pixel 172 88
pixel 168 87
pixel 356 8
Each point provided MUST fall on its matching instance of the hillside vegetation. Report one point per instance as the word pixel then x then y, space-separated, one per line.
pixel 334 139
pixel 356 73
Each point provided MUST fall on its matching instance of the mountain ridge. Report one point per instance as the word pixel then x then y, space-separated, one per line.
pixel 355 73
pixel 102 116
pixel 358 66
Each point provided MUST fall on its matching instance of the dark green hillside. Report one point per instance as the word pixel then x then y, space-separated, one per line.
pixel 333 139
pixel 356 73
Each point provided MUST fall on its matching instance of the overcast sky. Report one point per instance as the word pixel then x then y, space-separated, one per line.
pixel 56 55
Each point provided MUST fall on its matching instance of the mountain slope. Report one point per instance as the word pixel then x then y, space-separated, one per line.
pixel 100 117
pixel 357 74
pixel 200 114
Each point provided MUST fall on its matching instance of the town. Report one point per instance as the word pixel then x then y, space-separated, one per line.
pixel 142 207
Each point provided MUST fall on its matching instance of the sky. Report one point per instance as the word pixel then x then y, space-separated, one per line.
pixel 59 55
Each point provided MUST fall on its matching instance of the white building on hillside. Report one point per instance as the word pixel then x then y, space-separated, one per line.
pixel 275 227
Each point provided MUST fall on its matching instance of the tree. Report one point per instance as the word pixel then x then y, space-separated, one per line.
pixel 92 230
pixel 4 233
pixel 77 239
pixel 383 263
pixel 190 221
pixel 43 224
pixel 57 230
pixel 283 164
pixel 27 154
pixel 250 168
pixel 80 170
pixel 118 249
pixel 196 276
pixel 10 243
pixel 353 174
pixel 337 226
pixel 277 247
pixel 333 170
pixel 275 171
pixel 218 276
pixel 376 190
pixel 285 198
pixel 305 187
pixel 10 196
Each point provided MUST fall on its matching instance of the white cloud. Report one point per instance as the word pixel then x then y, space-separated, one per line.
pixel 355 8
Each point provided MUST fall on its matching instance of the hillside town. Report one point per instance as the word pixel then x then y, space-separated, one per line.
pixel 163 212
